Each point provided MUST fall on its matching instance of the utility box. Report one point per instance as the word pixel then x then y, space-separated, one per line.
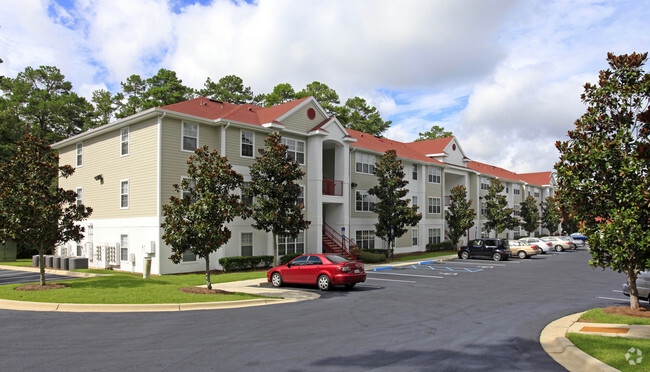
pixel 8 251
pixel 146 270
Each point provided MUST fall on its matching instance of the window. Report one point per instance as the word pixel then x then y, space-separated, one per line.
pixel 365 202
pixel 295 149
pixel 189 256
pixel 80 154
pixel 485 183
pixel 187 193
pixel 124 194
pixel 485 233
pixel 365 163
pixel 247 143
pixel 414 201
pixel 124 247
pixel 536 192
pixel 517 232
pixel 80 196
pixel 247 244
pixel 434 205
pixel 365 239
pixel 190 137
pixel 301 197
pixel 314 260
pixel 434 235
pixel 517 210
pixel 414 234
pixel 434 174
pixel 415 171
pixel 483 208
pixel 124 141
pixel 288 245
pixel 516 189
pixel 248 200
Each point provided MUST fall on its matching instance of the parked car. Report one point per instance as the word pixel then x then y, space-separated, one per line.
pixel 642 286
pixel 579 236
pixel 573 241
pixel 521 249
pixel 542 245
pixel 559 244
pixel 323 270
pixel 497 249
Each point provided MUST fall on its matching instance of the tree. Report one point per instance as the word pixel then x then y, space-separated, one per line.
pixel 358 115
pixel 12 129
pixel 460 216
pixel 32 210
pixel 197 223
pixel 433 133
pixel 550 215
pixel 275 191
pixel 44 101
pixel 281 93
pixel 230 88
pixel 393 211
pixel 603 169
pixel 165 88
pixel 498 217
pixel 529 214
pixel 105 105
pixel 134 89
pixel 326 96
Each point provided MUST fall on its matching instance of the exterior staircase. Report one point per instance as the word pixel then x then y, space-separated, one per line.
pixel 335 243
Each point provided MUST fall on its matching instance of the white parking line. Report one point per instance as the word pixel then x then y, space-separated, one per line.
pixel 391 273
pixel 391 280
pixel 614 299
pixel 617 291
pixel 467 263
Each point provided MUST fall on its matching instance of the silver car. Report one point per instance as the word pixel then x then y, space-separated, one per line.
pixel 642 286
pixel 542 245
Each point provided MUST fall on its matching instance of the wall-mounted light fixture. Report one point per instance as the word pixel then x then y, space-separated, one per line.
pixel 99 178
pixel 353 184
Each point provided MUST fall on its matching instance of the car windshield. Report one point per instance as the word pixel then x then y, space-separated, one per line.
pixel 335 258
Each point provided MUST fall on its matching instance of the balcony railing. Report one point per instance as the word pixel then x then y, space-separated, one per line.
pixel 332 187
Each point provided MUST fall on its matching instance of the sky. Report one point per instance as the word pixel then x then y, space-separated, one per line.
pixel 504 76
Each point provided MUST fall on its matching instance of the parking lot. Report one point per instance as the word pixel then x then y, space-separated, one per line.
pixel 18 277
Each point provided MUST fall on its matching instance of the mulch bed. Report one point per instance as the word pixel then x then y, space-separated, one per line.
pixel 199 290
pixel 643 312
pixel 38 287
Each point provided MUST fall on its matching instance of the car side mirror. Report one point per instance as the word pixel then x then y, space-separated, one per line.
pixel 289 265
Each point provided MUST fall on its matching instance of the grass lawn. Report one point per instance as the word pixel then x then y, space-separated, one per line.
pixel 422 256
pixel 598 316
pixel 127 288
pixel 612 350
pixel 18 262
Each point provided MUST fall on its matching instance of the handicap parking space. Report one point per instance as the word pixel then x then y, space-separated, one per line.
pixel 20 277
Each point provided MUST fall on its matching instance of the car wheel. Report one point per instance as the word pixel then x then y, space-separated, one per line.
pixel 324 283
pixel 496 256
pixel 559 248
pixel 522 254
pixel 276 279
pixel 464 255
pixel 350 285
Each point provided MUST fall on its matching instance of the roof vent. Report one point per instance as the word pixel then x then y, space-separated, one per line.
pixel 215 100
pixel 250 109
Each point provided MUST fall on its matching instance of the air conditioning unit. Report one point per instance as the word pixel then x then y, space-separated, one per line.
pixel 151 249
pixel 132 258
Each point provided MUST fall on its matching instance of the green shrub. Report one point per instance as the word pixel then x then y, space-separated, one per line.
pixel 442 246
pixel 369 257
pixel 246 263
pixel 288 257
pixel 385 252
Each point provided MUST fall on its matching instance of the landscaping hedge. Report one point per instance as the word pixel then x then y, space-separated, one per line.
pixel 288 257
pixel 246 263
pixel 369 257
pixel 442 246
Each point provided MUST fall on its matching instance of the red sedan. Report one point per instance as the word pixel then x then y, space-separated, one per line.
pixel 325 270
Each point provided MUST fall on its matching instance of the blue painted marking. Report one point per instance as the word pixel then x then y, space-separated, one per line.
pixel 413 266
pixel 426 262
pixel 383 268
pixel 472 270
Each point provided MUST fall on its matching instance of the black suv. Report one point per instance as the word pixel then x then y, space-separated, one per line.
pixel 497 249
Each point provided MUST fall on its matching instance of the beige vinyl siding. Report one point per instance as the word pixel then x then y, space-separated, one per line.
pixel 233 145
pixel 174 160
pixel 300 122
pixel 101 155
pixel 364 183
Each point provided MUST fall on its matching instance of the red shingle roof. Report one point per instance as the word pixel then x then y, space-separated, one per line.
pixel 370 142
pixel 432 146
pixel 539 178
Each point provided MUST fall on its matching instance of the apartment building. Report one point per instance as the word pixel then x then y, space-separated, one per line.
pixel 125 171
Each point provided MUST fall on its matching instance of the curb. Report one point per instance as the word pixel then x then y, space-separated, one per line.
pixel 555 343
pixel 51 271
pixel 372 267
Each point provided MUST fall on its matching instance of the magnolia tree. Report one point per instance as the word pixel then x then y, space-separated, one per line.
pixel 197 220
pixel 32 208
pixel 498 217
pixel 273 186
pixel 529 214
pixel 460 216
pixel 393 211
pixel 551 215
pixel 603 169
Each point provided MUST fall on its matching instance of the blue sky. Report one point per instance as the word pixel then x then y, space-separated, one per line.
pixel 505 76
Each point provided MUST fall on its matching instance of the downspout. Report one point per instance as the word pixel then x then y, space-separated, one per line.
pixel 159 192
pixel 223 138
pixel 350 196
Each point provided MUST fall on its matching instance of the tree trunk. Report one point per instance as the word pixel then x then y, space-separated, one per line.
pixel 275 250
pixel 41 263
pixel 634 293
pixel 207 272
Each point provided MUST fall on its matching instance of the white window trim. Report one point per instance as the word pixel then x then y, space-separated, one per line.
pixel 370 160
pixel 285 141
pixel 122 247
pixel 241 242
pixel 79 146
pixel 434 172
pixel 363 192
pixel 79 200
pixel 430 205
pixel 181 184
pixel 128 141
pixel 128 194
pixel 241 144
pixel 183 136
pixel 415 238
